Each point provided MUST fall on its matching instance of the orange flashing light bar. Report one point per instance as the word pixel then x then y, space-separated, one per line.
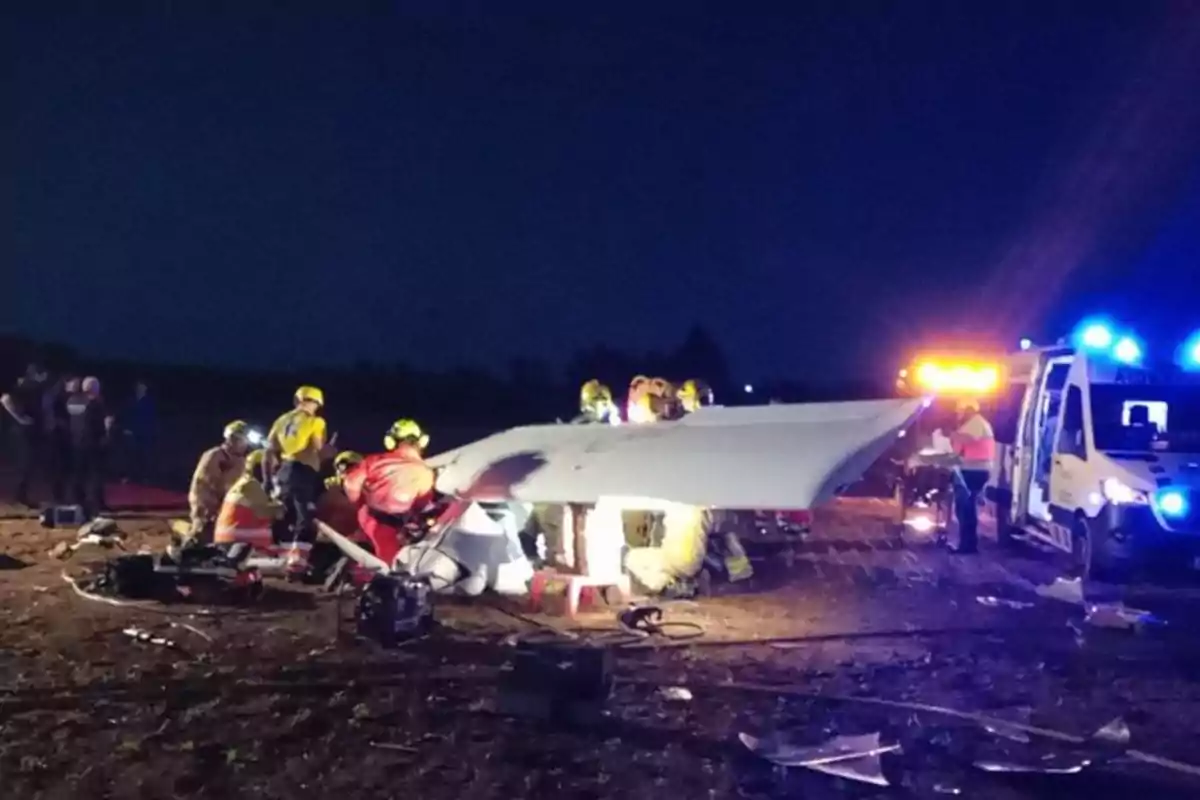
pixel 953 377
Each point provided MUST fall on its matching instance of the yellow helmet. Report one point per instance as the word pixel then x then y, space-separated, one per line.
pixel 345 460
pixel 237 429
pixel 403 430
pixel 694 394
pixel 310 394
pixel 967 405
pixel 254 461
pixel 593 394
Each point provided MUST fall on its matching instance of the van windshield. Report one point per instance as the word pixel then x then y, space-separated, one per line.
pixel 1150 418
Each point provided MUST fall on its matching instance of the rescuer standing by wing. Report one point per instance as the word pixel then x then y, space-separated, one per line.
pixel 652 400
pixel 293 459
pixel 596 404
pixel 387 488
pixel 216 472
pixel 975 443
pixel 694 395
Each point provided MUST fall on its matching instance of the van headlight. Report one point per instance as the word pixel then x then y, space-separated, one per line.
pixel 1120 494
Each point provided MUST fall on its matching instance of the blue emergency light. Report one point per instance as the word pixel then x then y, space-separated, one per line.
pixel 1098 335
pixel 1094 335
pixel 1189 353
pixel 1172 503
pixel 1127 350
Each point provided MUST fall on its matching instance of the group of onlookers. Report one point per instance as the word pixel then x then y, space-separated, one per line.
pixel 61 428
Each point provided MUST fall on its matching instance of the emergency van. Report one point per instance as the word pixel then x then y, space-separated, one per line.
pixel 1098 454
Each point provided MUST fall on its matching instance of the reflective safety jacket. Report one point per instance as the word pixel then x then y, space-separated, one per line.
pixel 975 443
pixel 247 515
pixel 299 436
pixel 215 474
pixel 393 483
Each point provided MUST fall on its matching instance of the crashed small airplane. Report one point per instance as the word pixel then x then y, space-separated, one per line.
pixel 777 457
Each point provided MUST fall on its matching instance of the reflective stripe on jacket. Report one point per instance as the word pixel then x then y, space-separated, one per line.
pixel 246 515
pixel 975 443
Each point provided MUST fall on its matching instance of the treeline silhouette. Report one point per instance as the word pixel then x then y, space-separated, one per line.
pixel 521 391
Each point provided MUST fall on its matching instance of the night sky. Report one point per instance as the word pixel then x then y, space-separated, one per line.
pixel 822 184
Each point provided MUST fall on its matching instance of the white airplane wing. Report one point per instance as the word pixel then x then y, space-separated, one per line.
pixel 765 457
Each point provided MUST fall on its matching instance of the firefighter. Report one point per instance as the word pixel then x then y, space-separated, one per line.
pixel 651 400
pixel 694 395
pixel 90 426
pixel 295 445
pixel 672 567
pixel 596 404
pixel 637 402
pixel 387 488
pixel 343 463
pixel 334 508
pixel 248 514
pixel 216 472
pixel 975 444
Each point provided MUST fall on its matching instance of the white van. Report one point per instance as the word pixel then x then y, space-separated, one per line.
pixel 1099 459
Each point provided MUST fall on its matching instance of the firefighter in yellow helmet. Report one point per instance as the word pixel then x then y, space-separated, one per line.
pixel 334 508
pixel 219 467
pixel 293 459
pixel 694 395
pixel 343 463
pixel 387 488
pixel 596 404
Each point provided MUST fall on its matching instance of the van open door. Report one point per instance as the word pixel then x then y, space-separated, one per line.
pixel 1070 479
pixel 1036 458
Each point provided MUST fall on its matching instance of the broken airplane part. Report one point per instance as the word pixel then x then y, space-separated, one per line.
pixel 781 457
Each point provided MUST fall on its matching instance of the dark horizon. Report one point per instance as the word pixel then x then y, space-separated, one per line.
pixel 442 185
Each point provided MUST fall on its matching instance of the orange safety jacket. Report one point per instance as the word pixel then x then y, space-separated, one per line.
pixel 247 515
pixel 975 443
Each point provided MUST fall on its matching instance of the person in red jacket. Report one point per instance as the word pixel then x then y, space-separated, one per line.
pixel 388 488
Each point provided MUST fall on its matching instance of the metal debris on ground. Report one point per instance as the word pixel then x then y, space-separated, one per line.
pixel 679 693
pixel 1013 731
pixel 855 758
pixel 1118 617
pixel 193 629
pixel 1002 602
pixel 1114 734
pixel 1052 764
pixel 1067 590
pixel 401 748
pixel 142 635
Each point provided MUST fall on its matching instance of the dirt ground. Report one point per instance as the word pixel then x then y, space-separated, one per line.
pixel 280 700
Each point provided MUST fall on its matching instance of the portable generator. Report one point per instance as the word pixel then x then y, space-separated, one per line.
pixel 393 608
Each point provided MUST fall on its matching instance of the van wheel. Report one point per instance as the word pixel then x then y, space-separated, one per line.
pixel 1082 563
pixel 1090 562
